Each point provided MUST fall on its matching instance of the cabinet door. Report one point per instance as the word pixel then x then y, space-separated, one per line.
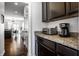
pixel 55 9
pixel 45 47
pixel 78 53
pixel 65 51
pixel 72 7
pixel 44 51
pixel 50 44
pixel 44 12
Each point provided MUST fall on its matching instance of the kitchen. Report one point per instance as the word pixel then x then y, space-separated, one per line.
pixel 40 28
pixel 57 34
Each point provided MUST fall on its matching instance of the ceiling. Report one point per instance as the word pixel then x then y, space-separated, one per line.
pixel 15 9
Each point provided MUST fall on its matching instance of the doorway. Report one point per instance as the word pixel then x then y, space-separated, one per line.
pixel 16 29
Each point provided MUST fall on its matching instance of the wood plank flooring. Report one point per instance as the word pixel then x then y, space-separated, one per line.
pixel 12 48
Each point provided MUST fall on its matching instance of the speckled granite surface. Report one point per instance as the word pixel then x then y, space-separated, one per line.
pixel 67 41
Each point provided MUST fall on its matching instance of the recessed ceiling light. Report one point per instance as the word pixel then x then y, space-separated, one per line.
pixel 15 3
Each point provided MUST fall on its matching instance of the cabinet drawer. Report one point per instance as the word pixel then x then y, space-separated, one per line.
pixel 49 44
pixel 66 51
pixel 45 51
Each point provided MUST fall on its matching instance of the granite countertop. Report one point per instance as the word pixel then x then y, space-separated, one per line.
pixel 67 41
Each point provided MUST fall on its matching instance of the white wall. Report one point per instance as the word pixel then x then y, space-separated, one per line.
pixel 73 24
pixel 37 24
pixel 1 30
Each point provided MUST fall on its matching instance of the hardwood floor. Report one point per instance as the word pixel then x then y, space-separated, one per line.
pixel 12 48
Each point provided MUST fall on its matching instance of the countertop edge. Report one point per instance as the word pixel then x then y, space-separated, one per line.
pixel 38 34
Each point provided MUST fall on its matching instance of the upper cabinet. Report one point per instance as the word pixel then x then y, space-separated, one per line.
pixel 55 9
pixel 72 7
pixel 52 11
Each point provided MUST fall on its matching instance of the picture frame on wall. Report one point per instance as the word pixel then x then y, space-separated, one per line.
pixel 2 18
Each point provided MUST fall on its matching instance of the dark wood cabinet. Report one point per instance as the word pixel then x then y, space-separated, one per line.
pixel 46 47
pixel 72 7
pixel 44 12
pixel 44 50
pixel 78 53
pixel 65 51
pixel 53 11
pixel 50 48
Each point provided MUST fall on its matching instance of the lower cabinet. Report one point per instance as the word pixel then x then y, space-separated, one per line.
pixel 50 48
pixel 44 51
pixel 65 51
pixel 46 47
pixel 78 53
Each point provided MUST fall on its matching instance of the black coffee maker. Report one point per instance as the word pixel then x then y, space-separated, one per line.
pixel 64 30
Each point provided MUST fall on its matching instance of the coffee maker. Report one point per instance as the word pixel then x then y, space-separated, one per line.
pixel 64 27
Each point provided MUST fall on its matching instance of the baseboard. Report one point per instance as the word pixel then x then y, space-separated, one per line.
pixel 2 54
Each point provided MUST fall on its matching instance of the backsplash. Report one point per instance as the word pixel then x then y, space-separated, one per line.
pixel 73 24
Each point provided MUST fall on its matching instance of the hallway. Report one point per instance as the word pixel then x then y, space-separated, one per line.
pixel 15 29
pixel 14 49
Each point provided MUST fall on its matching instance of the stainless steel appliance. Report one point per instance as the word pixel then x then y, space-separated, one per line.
pixel 50 31
pixel 64 30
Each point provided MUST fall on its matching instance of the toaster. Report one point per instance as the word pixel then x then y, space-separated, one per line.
pixel 50 31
